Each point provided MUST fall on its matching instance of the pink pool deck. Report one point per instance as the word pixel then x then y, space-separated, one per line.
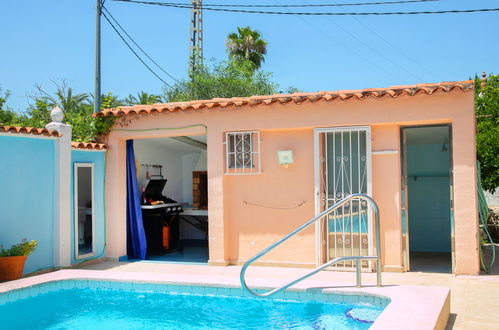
pixel 410 307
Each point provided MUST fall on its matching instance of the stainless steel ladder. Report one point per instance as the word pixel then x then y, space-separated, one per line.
pixel 373 205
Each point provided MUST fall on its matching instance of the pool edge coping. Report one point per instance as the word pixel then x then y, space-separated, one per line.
pixel 421 307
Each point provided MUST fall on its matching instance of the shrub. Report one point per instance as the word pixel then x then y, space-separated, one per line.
pixel 24 248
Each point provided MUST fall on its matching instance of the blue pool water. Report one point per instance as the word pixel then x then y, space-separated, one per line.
pixel 101 308
pixel 347 223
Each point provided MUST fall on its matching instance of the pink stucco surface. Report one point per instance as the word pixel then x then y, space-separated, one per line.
pixel 238 230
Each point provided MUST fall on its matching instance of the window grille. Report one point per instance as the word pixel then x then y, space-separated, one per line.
pixel 242 152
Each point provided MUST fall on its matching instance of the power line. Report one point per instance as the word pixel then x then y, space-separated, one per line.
pixel 365 26
pixel 307 5
pixel 135 43
pixel 316 14
pixel 328 36
pixel 395 48
pixel 372 48
pixel 377 52
pixel 133 51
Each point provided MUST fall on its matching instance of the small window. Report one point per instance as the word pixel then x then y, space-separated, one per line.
pixel 242 152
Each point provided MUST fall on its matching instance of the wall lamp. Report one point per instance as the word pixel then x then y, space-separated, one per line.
pixel 285 157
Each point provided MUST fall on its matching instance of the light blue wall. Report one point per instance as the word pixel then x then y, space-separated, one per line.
pixel 98 159
pixel 428 198
pixel 27 170
pixel 427 160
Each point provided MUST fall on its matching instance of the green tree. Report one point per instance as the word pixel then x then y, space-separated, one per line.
pixel 64 97
pixel 38 113
pixel 246 44
pixel 225 79
pixel 3 98
pixel 85 126
pixel 110 101
pixel 77 107
pixel 7 116
pixel 487 137
pixel 70 102
pixel 142 98
pixel 292 90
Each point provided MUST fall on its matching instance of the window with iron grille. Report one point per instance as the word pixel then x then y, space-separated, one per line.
pixel 242 152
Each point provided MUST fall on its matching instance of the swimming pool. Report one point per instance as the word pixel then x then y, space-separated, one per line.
pixel 91 304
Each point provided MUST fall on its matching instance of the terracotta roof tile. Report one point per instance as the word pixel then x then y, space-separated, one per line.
pixel 88 145
pixel 29 130
pixel 297 98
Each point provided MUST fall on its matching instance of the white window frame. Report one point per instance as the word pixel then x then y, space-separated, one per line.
pixel 232 169
pixel 75 203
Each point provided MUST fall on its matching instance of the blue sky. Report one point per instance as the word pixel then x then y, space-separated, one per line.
pixel 52 40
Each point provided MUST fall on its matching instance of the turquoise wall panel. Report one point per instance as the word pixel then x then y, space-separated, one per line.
pixel 429 198
pixel 27 170
pixel 427 160
pixel 98 159
pixel 429 214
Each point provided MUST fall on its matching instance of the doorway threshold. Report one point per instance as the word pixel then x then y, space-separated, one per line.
pixel 192 253
pixel 431 262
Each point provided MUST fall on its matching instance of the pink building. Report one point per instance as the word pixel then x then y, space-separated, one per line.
pixel 273 162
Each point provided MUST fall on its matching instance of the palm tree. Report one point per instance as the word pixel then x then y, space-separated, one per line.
pixel 246 44
pixel 142 98
pixel 68 101
pixel 64 98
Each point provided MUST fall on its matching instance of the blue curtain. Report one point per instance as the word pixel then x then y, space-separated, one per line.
pixel 136 238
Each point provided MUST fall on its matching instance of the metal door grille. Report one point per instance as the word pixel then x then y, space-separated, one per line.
pixel 345 170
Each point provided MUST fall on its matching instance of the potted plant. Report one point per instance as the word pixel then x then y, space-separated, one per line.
pixel 12 260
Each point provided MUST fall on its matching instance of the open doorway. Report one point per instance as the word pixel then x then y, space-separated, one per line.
pixel 172 181
pixel 427 226
pixel 84 214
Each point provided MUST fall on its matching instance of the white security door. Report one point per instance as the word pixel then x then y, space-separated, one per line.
pixel 344 168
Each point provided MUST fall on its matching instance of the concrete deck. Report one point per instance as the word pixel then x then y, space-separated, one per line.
pixel 474 299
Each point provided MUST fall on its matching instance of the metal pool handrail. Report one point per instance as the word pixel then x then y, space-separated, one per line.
pixel 373 205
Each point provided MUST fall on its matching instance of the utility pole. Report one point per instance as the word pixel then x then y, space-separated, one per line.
pixel 97 92
pixel 196 31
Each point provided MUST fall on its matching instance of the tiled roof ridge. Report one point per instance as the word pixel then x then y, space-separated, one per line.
pixel 297 98
pixel 47 132
pixel 88 145
pixel 29 130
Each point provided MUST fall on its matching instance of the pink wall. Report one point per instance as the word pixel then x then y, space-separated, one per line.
pixel 238 230
pixel 386 192
pixel 264 206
